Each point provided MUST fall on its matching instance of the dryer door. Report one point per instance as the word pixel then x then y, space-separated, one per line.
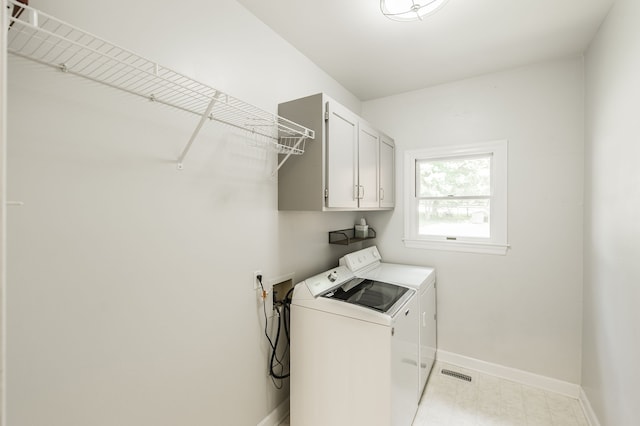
pixel 427 335
pixel 404 364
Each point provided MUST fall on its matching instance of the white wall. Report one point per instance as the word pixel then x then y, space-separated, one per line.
pixel 611 348
pixel 3 181
pixel 130 297
pixel 522 310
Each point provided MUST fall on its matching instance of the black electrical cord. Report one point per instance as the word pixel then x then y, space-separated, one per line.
pixel 274 361
pixel 286 297
pixel 287 313
pixel 264 306
pixel 266 333
pixel 284 317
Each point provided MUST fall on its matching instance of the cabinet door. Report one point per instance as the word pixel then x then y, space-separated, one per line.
pixel 368 142
pixel 387 172
pixel 342 145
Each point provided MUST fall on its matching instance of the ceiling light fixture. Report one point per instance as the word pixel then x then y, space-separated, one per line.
pixel 409 10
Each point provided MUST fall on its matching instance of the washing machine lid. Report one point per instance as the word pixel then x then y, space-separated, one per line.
pixel 376 295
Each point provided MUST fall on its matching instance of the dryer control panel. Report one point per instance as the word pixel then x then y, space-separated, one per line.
pixel 361 259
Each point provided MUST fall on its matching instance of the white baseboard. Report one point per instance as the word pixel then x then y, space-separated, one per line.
pixel 588 410
pixel 277 415
pixel 520 376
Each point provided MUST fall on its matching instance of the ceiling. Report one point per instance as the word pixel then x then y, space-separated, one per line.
pixel 374 57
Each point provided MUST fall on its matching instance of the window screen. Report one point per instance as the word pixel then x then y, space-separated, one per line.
pixel 454 196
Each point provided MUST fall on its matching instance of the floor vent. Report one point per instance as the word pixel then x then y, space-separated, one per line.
pixel 456 375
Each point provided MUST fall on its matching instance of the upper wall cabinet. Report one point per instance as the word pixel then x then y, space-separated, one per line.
pixel 349 165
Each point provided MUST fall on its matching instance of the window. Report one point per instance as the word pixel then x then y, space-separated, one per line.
pixel 456 198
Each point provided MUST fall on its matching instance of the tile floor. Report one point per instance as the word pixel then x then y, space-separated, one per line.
pixel 490 401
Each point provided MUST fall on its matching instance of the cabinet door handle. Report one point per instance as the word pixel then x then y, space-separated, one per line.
pixel 362 196
pixel 381 194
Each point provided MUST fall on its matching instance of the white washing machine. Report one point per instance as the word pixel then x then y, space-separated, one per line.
pixel 367 263
pixel 354 351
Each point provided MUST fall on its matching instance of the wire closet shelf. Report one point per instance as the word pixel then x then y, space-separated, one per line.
pixel 47 40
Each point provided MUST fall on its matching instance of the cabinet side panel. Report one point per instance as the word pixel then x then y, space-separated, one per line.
pixel 300 179
pixel 387 172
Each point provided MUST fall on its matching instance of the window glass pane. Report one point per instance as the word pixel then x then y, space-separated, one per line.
pixel 458 177
pixel 454 218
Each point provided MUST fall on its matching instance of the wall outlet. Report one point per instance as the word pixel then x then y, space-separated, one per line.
pixel 256 282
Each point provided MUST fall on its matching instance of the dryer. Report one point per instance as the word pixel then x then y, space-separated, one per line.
pixel 354 351
pixel 367 263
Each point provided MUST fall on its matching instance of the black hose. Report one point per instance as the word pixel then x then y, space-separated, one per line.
pixel 273 353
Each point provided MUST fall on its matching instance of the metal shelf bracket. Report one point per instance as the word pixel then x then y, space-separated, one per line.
pixel 296 146
pixel 203 118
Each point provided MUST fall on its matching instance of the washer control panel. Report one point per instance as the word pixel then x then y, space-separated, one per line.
pixel 328 280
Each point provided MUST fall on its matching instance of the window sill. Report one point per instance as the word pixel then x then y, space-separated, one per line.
pixel 459 246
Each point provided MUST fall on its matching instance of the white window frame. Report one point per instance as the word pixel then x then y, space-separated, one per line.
pixel 497 242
